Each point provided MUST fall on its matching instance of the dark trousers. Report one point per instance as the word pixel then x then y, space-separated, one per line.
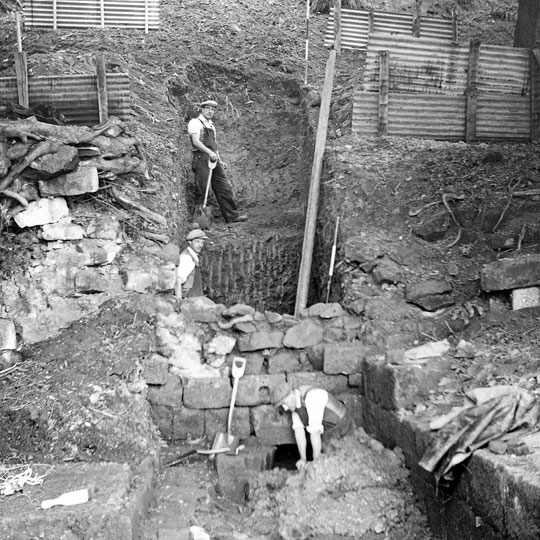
pixel 220 186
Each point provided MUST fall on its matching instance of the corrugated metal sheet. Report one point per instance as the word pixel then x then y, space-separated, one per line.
pixel 427 87
pixel 416 65
pixel 75 96
pixel 411 115
pixel 355 27
pixel 503 117
pixel 92 13
pixel 504 70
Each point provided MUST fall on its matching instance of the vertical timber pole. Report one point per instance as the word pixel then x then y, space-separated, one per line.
pixel 146 16
pixel 103 99
pixel 307 43
pixel 337 26
pixel 102 13
pixel 21 69
pixel 472 90
pixel 55 14
pixel 383 93
pixel 314 188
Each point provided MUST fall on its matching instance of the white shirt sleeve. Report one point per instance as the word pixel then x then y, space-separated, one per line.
pixel 296 421
pixel 186 265
pixel 316 401
pixel 194 126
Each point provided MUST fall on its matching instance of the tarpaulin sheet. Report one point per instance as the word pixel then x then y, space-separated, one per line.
pixel 490 414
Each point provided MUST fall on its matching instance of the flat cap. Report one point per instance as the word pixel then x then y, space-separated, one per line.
pixel 280 393
pixel 196 233
pixel 208 103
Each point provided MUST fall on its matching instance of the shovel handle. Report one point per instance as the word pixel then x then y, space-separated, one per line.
pixel 231 408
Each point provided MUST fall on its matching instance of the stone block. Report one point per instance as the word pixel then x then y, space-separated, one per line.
pixel 525 298
pixel 41 212
pixel 155 370
pixel 166 277
pixel 89 281
pixel 333 383
pixel 215 420
pixel 344 358
pixel 325 311
pixel 65 158
pixel 62 231
pixel 355 381
pixel 162 416
pixel 257 341
pixel 284 362
pixel 315 356
pixel 354 403
pixel 207 393
pixel 236 472
pixel 271 427
pixel 202 309
pixel 382 424
pixel 83 180
pixel 511 273
pixel 254 362
pixel 304 334
pixel 394 386
pixel 105 228
pixel 8 335
pixel 220 344
pixel 187 423
pixel 257 389
pixel 169 394
pixel 141 280
pixel 98 252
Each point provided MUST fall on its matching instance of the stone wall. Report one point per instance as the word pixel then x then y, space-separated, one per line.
pixel 189 378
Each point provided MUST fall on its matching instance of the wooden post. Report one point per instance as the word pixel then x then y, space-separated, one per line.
pixel 535 94
pixel 146 16
pixel 103 99
pixel 55 14
pixel 337 26
pixel 21 69
pixel 383 93
pixel 306 56
pixel 102 13
pixel 472 90
pixel 371 22
pixel 417 19
pixel 455 29
pixel 314 188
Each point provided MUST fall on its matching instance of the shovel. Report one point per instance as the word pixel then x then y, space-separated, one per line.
pixel 202 216
pixel 228 440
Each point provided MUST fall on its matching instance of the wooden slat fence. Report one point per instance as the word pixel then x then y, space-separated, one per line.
pixel 75 96
pixel 357 25
pixel 445 91
pixel 55 14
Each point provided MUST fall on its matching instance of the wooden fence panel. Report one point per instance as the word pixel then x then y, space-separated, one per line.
pixel 142 14
pixel 75 96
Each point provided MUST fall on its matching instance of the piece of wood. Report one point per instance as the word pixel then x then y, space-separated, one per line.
pixel 121 165
pixel 526 193
pixel 101 80
pixel 455 27
pixel 40 149
pixel 314 189
pixel 34 129
pixel 21 70
pixel 472 90
pixel 384 71
pixel 417 19
pixel 535 94
pixel 337 26
pixel 137 208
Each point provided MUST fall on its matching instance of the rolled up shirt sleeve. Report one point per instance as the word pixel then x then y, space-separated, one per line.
pixel 316 401
pixel 185 267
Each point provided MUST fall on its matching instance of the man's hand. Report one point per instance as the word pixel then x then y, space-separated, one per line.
pixel 301 464
pixel 213 156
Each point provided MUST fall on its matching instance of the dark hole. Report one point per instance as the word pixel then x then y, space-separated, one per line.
pixel 287 455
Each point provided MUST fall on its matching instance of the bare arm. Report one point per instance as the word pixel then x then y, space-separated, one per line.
pixel 196 140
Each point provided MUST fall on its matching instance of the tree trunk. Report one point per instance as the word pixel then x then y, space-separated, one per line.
pixel 527 23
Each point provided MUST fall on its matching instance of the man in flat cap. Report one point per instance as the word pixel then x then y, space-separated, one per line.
pixel 315 411
pixel 202 133
pixel 188 273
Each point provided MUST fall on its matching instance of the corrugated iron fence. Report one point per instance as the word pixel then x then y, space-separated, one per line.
pixel 75 96
pixel 92 13
pixel 430 86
